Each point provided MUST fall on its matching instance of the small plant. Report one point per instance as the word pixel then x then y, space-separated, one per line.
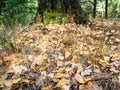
pixel 55 17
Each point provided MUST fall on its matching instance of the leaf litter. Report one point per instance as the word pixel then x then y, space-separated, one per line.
pixel 62 57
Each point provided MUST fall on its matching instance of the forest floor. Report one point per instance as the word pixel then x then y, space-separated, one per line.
pixel 63 57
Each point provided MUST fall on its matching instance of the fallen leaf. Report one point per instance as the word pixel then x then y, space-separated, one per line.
pixel 86 72
pixel 15 81
pixel 10 57
pixel 59 63
pixel 1 61
pixel 106 58
pixel 31 57
pixel 25 80
pixel 44 68
pixel 119 79
pixel 103 63
pixel 66 87
pixel 46 88
pixel 75 59
pixel 90 86
pixel 94 59
pixel 80 69
pixel 67 53
pixel 117 40
pixel 8 83
pixel 97 71
pixel 61 83
pixel 79 78
pixel 87 79
pixel 62 75
pixel 65 40
pixel 16 69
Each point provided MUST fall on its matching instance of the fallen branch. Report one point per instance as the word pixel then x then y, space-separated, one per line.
pixel 97 77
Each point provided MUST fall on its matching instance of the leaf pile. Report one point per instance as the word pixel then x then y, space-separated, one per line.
pixel 62 57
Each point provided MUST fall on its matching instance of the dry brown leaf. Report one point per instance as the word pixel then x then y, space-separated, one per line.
pixel 16 69
pixel 62 75
pixel 47 88
pixel 68 53
pixel 10 57
pixel 1 61
pixel 79 78
pixel 89 86
pixel 59 63
pixel 80 69
pixel 94 59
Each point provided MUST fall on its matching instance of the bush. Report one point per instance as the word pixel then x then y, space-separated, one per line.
pixel 19 12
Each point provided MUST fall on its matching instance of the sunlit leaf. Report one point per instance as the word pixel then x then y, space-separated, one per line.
pixel 61 83
pixel 8 83
pixel 15 81
pixel 86 72
pixel 1 61
pixel 79 78
pixel 75 59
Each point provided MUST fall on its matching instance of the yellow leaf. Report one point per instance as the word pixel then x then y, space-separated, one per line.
pixel 117 40
pixel 75 59
pixel 44 68
pixel 94 59
pixel 17 80
pixel 25 80
pixel 87 79
pixel 106 58
pixel 103 63
pixel 61 83
pixel 65 40
pixel 56 80
pixel 97 71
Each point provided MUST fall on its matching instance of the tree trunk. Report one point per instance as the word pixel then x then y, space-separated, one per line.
pixel 106 9
pixel 94 9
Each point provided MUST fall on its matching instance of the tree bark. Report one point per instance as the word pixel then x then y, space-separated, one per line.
pixel 94 9
pixel 106 9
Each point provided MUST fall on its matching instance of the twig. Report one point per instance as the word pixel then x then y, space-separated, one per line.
pixel 97 77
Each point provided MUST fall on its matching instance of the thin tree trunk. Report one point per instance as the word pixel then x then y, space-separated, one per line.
pixel 106 9
pixel 94 9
